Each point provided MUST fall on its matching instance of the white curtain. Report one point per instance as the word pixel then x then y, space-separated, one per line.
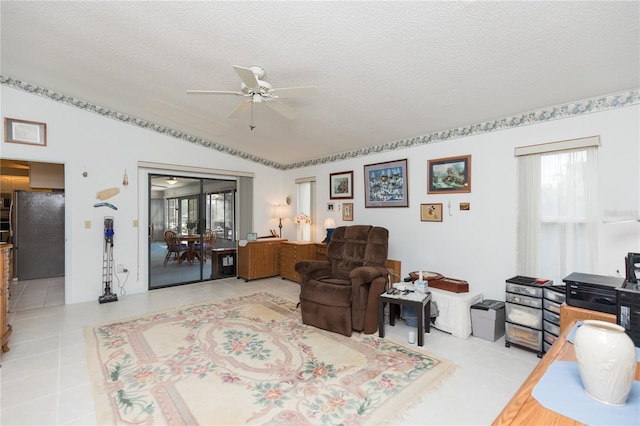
pixel 557 213
pixel 306 205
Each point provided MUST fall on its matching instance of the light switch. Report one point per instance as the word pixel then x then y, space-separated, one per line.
pixel 87 224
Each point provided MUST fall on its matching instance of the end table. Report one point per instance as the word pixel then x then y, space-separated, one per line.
pixel 420 301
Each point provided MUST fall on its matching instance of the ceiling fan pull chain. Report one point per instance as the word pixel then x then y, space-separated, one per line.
pixel 251 126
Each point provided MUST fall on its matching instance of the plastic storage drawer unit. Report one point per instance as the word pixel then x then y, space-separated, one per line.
pixel 524 312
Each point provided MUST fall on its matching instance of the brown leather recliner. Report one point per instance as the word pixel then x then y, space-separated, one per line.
pixel 341 294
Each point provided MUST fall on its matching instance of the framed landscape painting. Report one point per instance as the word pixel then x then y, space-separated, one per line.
pixel 386 184
pixel 449 175
pixel 341 185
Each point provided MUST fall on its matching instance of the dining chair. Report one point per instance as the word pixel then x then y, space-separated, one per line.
pixel 173 247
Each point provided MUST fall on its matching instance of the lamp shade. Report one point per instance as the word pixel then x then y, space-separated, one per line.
pixel 329 223
pixel 279 211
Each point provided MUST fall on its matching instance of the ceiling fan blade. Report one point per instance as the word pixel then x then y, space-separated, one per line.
pixel 247 76
pixel 240 110
pixel 295 92
pixel 213 92
pixel 281 108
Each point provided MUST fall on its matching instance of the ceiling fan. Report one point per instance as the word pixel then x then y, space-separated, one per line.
pixel 257 90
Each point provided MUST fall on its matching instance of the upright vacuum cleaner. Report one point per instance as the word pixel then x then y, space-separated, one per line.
pixel 107 263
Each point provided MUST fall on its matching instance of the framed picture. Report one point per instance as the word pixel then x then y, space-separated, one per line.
pixel 347 212
pixel 27 132
pixel 431 212
pixel 252 236
pixel 386 184
pixel 449 175
pixel 341 185
pixel 330 207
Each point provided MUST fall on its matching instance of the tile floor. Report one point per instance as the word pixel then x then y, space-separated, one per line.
pixel 44 378
pixel 33 294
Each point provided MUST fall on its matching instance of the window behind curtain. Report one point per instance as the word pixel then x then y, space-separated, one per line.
pixel 306 204
pixel 557 213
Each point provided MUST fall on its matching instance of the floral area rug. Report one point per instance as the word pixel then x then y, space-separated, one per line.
pixel 250 360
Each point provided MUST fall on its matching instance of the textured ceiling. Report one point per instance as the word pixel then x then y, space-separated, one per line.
pixel 386 71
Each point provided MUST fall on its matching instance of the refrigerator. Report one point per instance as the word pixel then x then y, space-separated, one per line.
pixel 38 234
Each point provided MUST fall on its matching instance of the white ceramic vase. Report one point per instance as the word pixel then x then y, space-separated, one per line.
pixel 606 361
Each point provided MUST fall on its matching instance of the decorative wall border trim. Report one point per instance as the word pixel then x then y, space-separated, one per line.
pixel 602 103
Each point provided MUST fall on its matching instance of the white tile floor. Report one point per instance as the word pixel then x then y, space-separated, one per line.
pixel 44 378
pixel 33 294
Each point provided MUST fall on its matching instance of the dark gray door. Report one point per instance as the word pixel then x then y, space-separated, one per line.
pixel 39 235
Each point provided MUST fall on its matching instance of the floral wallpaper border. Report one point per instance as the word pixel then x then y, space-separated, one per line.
pixel 602 103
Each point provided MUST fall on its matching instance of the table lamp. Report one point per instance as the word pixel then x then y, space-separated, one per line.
pixel 330 226
pixel 280 212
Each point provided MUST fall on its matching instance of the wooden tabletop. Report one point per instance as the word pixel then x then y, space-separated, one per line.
pixel 524 409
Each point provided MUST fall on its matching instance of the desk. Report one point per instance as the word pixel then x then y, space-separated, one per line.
pixel 421 302
pixel 571 314
pixel 524 409
pixel 192 253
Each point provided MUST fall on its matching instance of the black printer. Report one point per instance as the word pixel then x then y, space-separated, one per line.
pixel 595 292
pixel 628 314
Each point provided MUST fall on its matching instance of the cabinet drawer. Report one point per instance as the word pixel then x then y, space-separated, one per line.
pixel 551 317
pixel 524 315
pixel 555 296
pixel 549 338
pixel 552 328
pixel 552 306
pixel 523 336
pixel 546 346
pixel 527 290
pixel 534 302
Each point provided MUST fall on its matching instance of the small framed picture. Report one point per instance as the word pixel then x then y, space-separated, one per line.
pixel 449 175
pixel 431 212
pixel 26 132
pixel 341 185
pixel 330 207
pixel 347 212
pixel 252 236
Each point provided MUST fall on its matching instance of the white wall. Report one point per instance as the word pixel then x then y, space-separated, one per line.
pixel 478 245
pixel 104 148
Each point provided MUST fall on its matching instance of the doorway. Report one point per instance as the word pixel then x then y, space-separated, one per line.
pixel 188 216
pixel 32 218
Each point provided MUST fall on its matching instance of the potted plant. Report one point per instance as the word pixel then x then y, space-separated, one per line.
pixel 191 225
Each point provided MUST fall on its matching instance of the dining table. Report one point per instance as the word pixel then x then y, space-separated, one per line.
pixel 191 254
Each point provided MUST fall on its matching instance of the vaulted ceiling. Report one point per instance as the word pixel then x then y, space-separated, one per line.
pixel 386 71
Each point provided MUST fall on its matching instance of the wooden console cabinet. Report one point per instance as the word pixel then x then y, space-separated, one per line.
pixel 292 252
pixel 259 259
pixel 5 328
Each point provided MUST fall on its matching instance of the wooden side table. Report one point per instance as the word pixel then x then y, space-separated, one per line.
pixel 421 302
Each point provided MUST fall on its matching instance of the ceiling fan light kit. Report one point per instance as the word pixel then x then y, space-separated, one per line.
pixel 260 91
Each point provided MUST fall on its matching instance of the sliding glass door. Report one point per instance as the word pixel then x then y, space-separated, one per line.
pixel 188 217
